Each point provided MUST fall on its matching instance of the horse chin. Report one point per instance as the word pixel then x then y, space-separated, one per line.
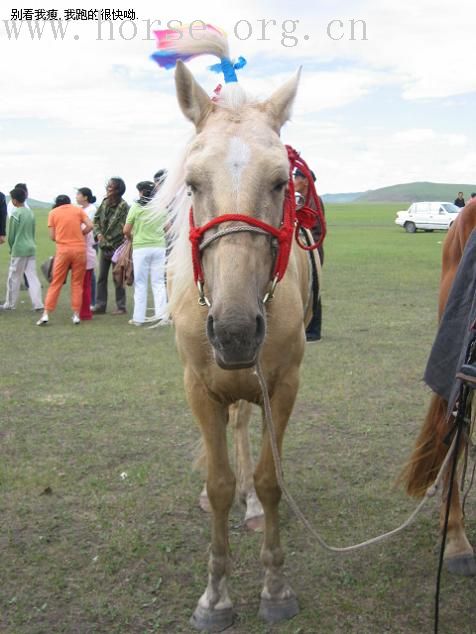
pixel 234 364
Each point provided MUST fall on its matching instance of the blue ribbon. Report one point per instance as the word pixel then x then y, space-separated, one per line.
pixel 227 67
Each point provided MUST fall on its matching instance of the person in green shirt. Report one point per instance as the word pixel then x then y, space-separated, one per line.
pixel 21 240
pixel 109 222
pixel 148 255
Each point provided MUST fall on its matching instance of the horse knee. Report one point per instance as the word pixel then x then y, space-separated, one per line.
pixel 267 489
pixel 221 492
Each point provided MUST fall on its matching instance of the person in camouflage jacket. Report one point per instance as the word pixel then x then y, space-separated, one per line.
pixel 109 222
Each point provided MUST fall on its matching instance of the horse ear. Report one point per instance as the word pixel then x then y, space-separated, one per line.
pixel 279 105
pixel 193 100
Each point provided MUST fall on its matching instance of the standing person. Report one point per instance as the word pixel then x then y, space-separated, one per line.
pixel 67 225
pixel 459 202
pixel 21 240
pixel 3 218
pixel 11 206
pixel 313 331
pixel 86 312
pixel 148 255
pixel 11 209
pixel 159 178
pixel 473 195
pixel 86 200
pixel 109 223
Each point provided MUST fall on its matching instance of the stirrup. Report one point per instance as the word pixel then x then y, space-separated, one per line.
pixel 467 375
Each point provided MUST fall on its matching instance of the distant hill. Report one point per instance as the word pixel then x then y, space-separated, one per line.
pixel 37 204
pixel 341 198
pixel 406 192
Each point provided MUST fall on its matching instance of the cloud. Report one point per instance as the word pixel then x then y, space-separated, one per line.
pixel 84 109
pixel 428 44
pixel 371 158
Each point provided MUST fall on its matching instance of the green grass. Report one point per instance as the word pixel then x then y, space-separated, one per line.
pixel 84 550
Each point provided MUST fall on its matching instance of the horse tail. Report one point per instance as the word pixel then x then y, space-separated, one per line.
pixel 429 451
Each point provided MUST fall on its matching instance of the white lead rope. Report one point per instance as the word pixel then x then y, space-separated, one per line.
pixel 430 492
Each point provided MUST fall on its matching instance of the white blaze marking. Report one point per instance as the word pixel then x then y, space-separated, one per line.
pixel 237 159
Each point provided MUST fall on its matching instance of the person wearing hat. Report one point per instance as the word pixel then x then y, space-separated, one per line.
pixel 148 255
pixel 159 178
pixel 301 186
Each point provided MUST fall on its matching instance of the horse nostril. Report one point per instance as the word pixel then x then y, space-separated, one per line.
pixel 210 328
pixel 260 328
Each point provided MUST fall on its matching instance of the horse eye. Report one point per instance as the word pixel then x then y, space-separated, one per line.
pixel 279 186
pixel 192 187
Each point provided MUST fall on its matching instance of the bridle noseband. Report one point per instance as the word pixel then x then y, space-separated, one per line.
pixel 293 220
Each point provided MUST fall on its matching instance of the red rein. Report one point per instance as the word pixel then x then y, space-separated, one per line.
pixel 292 221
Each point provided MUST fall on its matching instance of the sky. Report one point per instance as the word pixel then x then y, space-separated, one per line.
pixel 392 102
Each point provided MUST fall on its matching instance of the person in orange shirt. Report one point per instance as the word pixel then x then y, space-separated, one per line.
pixel 68 226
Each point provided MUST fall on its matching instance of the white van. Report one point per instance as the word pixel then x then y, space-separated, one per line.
pixel 427 216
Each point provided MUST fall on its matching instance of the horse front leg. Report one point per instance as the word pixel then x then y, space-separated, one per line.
pixel 278 601
pixel 240 414
pixel 214 611
pixel 459 555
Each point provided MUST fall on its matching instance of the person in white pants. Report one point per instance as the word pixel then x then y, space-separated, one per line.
pixel 148 261
pixel 21 240
pixel 18 267
pixel 11 208
pixel 148 256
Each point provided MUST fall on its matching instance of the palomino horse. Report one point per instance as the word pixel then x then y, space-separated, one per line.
pixel 236 164
pixel 430 448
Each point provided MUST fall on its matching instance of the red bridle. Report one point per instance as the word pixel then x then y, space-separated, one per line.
pixel 292 221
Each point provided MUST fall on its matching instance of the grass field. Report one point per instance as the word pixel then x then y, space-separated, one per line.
pixel 100 531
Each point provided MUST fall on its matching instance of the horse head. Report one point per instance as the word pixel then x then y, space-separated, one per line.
pixel 236 165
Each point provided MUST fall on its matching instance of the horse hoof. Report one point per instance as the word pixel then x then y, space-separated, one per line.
pixel 204 503
pixel 461 565
pixel 272 610
pixel 206 620
pixel 255 524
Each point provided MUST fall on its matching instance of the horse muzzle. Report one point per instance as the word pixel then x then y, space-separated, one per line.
pixel 236 340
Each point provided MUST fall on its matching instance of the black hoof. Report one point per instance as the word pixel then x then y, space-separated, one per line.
pixel 212 620
pixel 272 610
pixel 461 565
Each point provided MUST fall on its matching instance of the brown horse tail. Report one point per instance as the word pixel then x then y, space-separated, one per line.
pixel 429 451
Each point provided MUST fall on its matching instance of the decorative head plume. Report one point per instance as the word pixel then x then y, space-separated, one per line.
pixel 178 44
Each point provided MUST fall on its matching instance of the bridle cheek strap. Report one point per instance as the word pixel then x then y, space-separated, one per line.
pixel 292 221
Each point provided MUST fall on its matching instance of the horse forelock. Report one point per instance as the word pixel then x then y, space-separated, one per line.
pixel 234 97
